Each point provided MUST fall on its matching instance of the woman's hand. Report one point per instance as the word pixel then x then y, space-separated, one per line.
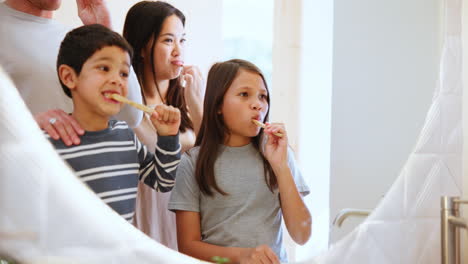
pixel 94 12
pixel 60 125
pixel 262 255
pixel 166 120
pixel 276 148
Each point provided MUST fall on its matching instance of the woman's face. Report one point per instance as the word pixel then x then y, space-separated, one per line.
pixel 169 49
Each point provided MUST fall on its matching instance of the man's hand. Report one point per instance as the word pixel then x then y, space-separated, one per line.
pixel 166 120
pixel 94 12
pixel 60 125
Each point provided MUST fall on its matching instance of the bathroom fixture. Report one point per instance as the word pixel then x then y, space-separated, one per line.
pixel 450 222
pixel 347 212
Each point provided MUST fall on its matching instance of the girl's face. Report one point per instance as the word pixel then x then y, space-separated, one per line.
pixel 168 50
pixel 245 99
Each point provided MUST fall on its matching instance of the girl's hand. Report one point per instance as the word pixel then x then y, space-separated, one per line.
pixel 94 12
pixel 60 125
pixel 262 255
pixel 166 120
pixel 276 148
pixel 194 85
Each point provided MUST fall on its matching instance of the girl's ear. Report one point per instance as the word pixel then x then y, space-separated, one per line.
pixel 68 76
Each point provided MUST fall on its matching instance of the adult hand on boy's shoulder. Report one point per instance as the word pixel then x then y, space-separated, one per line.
pixel 166 120
pixel 94 12
pixel 60 125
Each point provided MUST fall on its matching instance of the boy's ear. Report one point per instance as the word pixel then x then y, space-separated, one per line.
pixel 68 76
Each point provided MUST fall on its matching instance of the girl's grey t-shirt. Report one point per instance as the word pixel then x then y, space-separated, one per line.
pixel 250 215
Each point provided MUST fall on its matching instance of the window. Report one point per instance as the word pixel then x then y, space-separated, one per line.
pixel 247 32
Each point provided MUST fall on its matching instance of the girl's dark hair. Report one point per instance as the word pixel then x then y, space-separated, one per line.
pixel 81 43
pixel 144 20
pixel 210 138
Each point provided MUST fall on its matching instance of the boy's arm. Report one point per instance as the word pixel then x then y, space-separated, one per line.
pixel 189 242
pixel 158 170
pixel 166 120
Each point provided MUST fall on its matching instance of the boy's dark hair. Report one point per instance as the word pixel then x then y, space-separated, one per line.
pixel 81 43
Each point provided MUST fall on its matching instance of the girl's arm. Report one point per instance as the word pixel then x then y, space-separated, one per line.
pixel 189 242
pixel 296 215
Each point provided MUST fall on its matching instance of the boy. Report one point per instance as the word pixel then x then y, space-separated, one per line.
pixel 92 63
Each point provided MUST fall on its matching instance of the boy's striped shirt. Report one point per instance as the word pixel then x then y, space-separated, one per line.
pixel 111 162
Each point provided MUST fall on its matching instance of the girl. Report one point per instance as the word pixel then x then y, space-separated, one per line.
pixel 155 30
pixel 231 189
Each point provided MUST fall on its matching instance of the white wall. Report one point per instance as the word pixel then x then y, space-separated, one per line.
pixel 203 26
pixel 385 68
pixel 314 117
pixel 464 208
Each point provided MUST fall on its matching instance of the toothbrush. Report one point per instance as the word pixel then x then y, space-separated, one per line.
pixel 122 99
pixel 260 124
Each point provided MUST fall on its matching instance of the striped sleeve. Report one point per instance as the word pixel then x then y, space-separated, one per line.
pixel 158 170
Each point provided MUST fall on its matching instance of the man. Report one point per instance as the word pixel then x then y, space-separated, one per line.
pixel 29 41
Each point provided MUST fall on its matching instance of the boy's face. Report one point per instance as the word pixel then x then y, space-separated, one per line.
pixel 105 72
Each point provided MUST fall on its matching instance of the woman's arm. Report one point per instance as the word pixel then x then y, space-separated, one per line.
pixel 296 215
pixel 194 92
pixel 189 242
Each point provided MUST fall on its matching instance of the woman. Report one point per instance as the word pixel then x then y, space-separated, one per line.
pixel 156 32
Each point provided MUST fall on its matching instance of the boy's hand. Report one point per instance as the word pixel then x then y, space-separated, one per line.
pixel 166 120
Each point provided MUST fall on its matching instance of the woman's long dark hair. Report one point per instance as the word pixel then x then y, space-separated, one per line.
pixel 144 20
pixel 213 130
